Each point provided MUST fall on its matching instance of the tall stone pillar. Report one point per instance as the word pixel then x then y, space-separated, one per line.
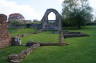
pixel 4 35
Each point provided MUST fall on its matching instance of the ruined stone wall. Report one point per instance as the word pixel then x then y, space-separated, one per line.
pixel 56 25
pixel 4 35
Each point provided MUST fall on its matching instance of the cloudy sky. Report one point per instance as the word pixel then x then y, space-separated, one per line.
pixel 33 9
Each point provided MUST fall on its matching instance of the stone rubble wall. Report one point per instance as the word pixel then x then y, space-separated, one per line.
pixel 17 58
pixel 4 35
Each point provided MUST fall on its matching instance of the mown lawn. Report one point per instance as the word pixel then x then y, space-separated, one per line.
pixel 80 50
pixel 9 50
pixel 41 37
pixel 15 32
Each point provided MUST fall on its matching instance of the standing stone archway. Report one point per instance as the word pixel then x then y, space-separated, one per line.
pixel 4 35
pixel 55 25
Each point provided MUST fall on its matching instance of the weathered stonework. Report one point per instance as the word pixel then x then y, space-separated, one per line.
pixel 56 25
pixel 17 58
pixel 4 35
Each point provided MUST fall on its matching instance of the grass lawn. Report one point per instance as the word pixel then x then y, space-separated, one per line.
pixel 15 32
pixel 7 51
pixel 80 50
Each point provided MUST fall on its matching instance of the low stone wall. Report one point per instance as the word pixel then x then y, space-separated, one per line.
pixel 17 58
pixel 47 44
pixel 74 34
pixel 36 26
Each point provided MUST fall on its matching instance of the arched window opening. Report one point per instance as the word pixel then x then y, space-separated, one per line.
pixel 51 17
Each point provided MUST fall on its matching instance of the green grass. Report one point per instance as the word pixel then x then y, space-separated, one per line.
pixel 15 32
pixel 7 51
pixel 79 50
pixel 41 37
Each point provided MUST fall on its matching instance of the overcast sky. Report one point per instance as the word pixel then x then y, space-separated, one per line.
pixel 33 9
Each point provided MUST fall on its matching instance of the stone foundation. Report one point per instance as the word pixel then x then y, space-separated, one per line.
pixel 17 58
pixel 74 34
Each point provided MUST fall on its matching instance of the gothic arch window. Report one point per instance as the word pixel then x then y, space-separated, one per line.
pixel 52 16
pixel 51 20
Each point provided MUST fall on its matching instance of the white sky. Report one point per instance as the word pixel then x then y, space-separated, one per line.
pixel 33 9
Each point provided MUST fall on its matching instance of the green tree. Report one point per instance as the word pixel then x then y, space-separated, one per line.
pixel 76 12
pixel 35 21
pixel 15 22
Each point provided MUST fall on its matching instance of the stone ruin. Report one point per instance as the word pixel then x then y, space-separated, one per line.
pixel 74 34
pixel 51 24
pixel 4 35
pixel 55 26
pixel 17 58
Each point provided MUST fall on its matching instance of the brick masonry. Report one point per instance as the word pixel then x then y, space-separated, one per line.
pixel 4 35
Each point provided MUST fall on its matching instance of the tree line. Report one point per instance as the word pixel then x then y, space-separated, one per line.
pixel 76 13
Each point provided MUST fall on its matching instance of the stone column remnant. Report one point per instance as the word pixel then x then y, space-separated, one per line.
pixel 4 35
